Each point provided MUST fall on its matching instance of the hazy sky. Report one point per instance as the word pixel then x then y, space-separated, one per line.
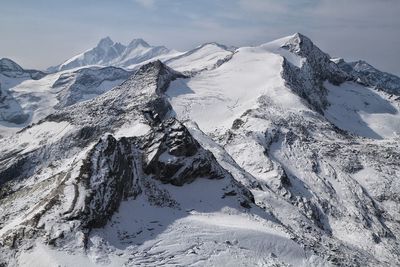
pixel 40 33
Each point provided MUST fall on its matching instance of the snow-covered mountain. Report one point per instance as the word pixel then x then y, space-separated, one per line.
pixel 369 76
pixel 275 155
pixel 27 100
pixel 10 69
pixel 11 74
pixel 109 53
pixel 204 57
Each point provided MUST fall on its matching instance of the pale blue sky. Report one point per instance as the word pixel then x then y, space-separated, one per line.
pixel 41 33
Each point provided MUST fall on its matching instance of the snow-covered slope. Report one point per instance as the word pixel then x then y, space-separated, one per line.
pixel 363 111
pixel 225 91
pixel 86 83
pixel 206 56
pixel 109 53
pixel 32 100
pixel 258 156
pixel 11 112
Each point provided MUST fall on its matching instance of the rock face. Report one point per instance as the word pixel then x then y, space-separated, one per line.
pixel 130 178
pixel 119 169
pixel 307 81
pixel 175 157
pixel 112 174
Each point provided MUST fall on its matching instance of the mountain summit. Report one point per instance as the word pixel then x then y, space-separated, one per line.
pixel 110 53
pixel 7 65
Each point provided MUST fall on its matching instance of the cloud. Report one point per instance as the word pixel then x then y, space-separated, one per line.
pixel 146 3
pixel 358 12
pixel 262 6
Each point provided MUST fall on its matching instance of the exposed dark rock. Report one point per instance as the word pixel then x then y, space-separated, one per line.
pixel 229 194
pixel 307 81
pixel 111 174
pixel 245 204
pixel 237 124
pixel 177 158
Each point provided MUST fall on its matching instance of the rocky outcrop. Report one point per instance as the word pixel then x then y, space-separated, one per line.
pixel 307 80
pixel 111 174
pixel 174 157
pixel 365 74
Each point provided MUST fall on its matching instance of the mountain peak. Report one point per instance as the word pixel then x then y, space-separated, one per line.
pixel 137 42
pixel 300 36
pixel 361 64
pixel 105 42
pixel 214 44
pixel 7 64
pixel 110 53
pixel 299 44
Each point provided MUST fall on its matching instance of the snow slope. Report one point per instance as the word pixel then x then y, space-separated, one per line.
pixel 36 99
pixel 228 91
pixel 203 57
pixel 203 232
pixel 363 111
pixel 11 113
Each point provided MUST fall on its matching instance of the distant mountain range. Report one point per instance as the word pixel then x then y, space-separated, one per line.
pixel 109 53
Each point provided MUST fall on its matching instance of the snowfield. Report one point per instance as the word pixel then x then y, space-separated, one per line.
pixel 230 90
pixel 363 111
pixel 202 232
pixel 203 57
